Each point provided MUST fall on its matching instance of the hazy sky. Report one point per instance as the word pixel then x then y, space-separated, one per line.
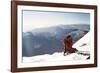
pixel 39 19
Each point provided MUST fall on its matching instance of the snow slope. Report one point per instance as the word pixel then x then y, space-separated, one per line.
pixel 82 45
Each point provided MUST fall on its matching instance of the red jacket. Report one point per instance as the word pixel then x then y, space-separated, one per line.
pixel 68 42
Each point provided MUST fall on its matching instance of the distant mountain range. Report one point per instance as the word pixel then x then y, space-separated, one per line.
pixel 49 40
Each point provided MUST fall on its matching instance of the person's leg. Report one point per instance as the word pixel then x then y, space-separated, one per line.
pixel 64 52
pixel 73 50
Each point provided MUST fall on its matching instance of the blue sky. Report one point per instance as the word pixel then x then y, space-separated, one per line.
pixel 38 19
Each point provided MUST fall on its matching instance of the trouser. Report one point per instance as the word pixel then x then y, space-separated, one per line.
pixel 70 50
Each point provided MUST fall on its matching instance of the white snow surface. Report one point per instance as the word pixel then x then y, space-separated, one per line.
pixel 84 40
pixel 54 57
pixel 82 45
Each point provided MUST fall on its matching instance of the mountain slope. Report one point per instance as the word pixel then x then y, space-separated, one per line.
pixel 58 56
pixel 49 40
